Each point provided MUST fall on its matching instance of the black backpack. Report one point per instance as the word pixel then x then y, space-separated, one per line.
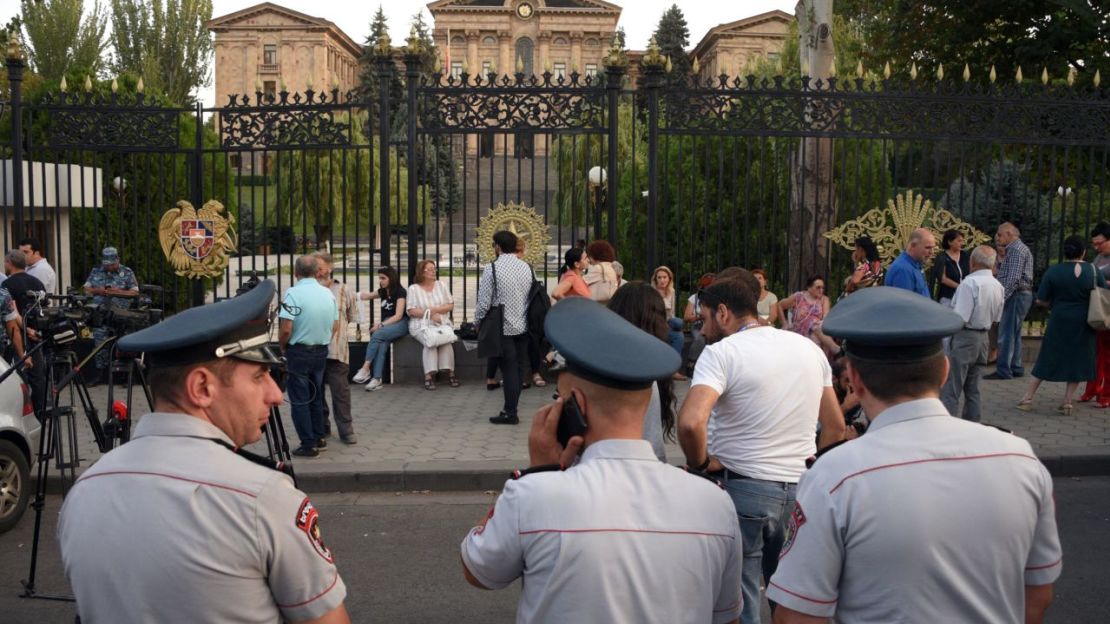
pixel 538 305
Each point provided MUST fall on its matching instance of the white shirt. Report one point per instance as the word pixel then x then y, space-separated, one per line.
pixel 979 300
pixel 770 383
pixel 173 527
pixel 45 274
pixel 620 537
pixel 926 518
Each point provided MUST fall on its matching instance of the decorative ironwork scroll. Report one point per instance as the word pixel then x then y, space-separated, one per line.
pixel 96 121
pixel 890 228
pixel 285 120
pixel 547 103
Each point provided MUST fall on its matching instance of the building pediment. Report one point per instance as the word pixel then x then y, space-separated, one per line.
pixel 770 24
pixel 266 15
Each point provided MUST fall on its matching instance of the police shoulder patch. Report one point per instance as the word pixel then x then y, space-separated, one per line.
pixel 308 520
pixel 797 519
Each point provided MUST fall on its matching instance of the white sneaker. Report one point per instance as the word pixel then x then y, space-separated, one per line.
pixel 375 384
pixel 362 376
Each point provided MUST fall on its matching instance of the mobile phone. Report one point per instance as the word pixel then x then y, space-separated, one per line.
pixel 571 422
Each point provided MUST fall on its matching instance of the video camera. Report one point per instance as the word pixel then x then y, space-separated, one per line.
pixel 59 319
pixel 126 320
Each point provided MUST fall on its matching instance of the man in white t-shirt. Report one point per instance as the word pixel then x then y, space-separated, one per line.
pixel 37 266
pixel 751 417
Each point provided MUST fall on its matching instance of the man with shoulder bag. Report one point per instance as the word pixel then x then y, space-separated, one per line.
pixel 503 292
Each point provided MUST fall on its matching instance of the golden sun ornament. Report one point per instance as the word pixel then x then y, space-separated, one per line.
pixel 520 220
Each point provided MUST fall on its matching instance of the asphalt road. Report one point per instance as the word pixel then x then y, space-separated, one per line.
pixel 398 554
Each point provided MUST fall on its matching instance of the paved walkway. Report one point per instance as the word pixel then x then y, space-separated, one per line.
pixel 413 439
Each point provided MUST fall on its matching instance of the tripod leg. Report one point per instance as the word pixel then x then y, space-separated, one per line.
pixel 46 450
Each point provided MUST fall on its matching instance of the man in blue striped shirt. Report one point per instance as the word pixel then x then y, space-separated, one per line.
pixel 1016 275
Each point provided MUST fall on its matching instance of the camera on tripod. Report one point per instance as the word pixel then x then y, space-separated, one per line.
pixel 126 320
pixel 58 319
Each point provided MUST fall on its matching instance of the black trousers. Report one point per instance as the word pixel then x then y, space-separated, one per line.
pixel 512 348
pixel 529 358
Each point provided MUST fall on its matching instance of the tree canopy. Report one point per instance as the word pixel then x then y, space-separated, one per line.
pixel 164 41
pixel 1057 34
pixel 673 36
pixel 61 37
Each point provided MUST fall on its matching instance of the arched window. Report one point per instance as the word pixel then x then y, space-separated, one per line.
pixel 524 47
pixel 457 40
pixel 488 40
pixel 560 41
pixel 592 43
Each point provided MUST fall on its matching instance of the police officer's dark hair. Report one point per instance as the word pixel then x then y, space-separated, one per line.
pixel 1101 228
pixel 739 293
pixel 33 243
pixel 889 381
pixel 505 241
pixel 1074 247
pixel 640 304
pixel 166 381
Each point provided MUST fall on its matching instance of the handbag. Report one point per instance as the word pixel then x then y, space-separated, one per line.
pixel 1098 308
pixel 433 334
pixel 492 325
pixel 539 303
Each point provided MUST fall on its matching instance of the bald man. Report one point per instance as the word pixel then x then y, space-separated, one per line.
pixel 906 271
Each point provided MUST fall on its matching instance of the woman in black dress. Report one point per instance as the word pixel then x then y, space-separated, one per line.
pixel 950 266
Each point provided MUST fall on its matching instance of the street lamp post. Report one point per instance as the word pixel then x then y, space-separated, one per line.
pixel 598 180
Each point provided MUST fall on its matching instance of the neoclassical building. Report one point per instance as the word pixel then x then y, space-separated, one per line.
pixel 729 48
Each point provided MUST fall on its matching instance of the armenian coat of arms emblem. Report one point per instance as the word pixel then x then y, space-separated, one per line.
pixel 197 243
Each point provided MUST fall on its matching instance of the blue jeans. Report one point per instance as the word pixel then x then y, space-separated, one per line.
pixel 379 344
pixel 305 384
pixel 764 507
pixel 1009 334
pixel 674 334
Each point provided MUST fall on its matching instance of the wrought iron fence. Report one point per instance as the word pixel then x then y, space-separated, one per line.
pixel 698 176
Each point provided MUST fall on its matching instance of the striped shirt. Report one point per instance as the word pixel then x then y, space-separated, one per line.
pixel 1016 271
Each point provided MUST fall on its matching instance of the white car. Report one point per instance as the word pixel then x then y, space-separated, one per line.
pixel 19 440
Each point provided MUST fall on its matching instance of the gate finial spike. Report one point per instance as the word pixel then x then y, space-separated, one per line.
pixel 1018 76
pixel 1071 76
pixel 859 69
pixel 696 67
pixel 667 65
pixel 115 86
pixel 63 86
pixel 1098 78
pixel 88 83
pixel 1044 75
pixel 940 71
pixel 993 75
pixel 967 72
pixel 913 71
pixel 886 70
pixel 520 64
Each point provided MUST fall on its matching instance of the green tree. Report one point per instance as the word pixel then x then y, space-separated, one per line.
pixel 61 37
pixel 166 42
pixel 673 36
pixel 368 77
pixel 1057 34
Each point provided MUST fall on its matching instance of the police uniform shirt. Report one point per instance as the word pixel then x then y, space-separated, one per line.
pixel 927 518
pixel 8 311
pixel 619 537
pixel 123 279
pixel 202 534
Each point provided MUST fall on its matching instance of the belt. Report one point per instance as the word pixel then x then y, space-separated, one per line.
pixel 975 329
pixel 728 475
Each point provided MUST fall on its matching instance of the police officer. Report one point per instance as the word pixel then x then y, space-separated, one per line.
pixel 113 283
pixel 619 536
pixel 179 526
pixel 926 518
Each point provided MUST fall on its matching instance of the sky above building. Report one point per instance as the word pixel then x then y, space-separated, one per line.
pixel 639 17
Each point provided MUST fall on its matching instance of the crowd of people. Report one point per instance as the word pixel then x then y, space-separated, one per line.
pixel 803 424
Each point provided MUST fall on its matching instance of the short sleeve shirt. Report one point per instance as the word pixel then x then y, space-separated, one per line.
pixel 197 526
pixel 18 285
pixel 929 515
pixel 312 309
pixel 122 278
pixel 583 539
pixel 390 300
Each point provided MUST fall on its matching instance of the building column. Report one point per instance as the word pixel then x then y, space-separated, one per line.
pixel 473 65
pixel 576 53
pixel 543 62
pixel 506 64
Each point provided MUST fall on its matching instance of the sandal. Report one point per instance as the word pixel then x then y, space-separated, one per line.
pixel 453 381
pixel 429 384
pixel 1025 405
pixel 538 381
pixel 1065 409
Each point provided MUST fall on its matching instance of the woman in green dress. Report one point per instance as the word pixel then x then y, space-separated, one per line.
pixel 1068 350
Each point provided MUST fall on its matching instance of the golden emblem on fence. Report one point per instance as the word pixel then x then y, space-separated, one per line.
pixel 520 220
pixel 197 243
pixel 890 228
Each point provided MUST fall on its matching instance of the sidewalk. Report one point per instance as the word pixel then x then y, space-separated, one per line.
pixel 413 439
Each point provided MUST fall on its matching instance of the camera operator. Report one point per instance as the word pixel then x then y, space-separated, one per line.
pixel 20 284
pixel 110 283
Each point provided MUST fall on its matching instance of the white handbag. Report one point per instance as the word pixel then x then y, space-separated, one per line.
pixel 433 334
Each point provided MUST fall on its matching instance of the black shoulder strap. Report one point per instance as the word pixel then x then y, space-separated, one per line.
pixel 255 458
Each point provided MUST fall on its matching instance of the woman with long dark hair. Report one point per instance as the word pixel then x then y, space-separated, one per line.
pixel 571 284
pixel 950 266
pixel 867 267
pixel 394 324
pixel 1068 350
pixel 642 306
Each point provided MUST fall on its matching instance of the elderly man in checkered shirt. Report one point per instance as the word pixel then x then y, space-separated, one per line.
pixel 1016 275
pixel 514 280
